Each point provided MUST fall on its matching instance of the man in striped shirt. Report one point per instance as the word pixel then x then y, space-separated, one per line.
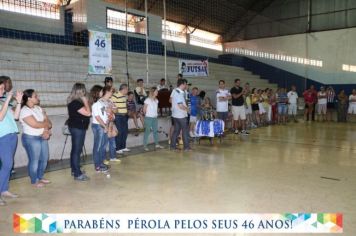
pixel 121 118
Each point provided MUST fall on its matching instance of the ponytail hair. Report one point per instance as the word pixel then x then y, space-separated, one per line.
pixel 26 95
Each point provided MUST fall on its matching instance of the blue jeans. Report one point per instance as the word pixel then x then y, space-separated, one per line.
pixel 78 138
pixel 121 122
pixel 8 144
pixel 37 152
pixel 282 109
pixel 100 143
pixel 150 123
pixel 112 147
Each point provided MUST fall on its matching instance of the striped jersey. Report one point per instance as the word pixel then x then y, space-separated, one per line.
pixel 119 101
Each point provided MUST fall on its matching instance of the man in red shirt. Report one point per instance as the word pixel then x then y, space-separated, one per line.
pixel 310 97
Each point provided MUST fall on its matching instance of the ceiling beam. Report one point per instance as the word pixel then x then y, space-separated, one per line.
pixel 238 27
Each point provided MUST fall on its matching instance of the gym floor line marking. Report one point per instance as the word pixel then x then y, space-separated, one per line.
pixel 329 178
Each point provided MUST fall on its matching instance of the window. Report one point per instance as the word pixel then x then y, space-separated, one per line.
pixel 174 32
pixel 351 68
pixel 40 8
pixel 205 39
pixel 286 58
pixel 116 20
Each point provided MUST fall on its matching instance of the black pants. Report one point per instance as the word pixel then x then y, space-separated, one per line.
pixel 180 124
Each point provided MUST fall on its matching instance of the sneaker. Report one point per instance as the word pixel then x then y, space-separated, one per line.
pixel 9 195
pixel 45 181
pixel 188 150
pixel 102 169
pixel 83 172
pixel 159 146
pixel 244 132
pixel 191 134
pixel 126 150
pixel 120 152
pixel 115 160
pixel 106 162
pixel 82 177
pixel 2 202
pixel 146 149
pixel 237 132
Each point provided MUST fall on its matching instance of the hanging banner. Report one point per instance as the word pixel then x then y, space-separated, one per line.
pixel 100 61
pixel 193 68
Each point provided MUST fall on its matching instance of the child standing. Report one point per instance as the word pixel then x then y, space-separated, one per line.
pixel 150 110
pixel 282 100
pixel 132 112
pixel 194 110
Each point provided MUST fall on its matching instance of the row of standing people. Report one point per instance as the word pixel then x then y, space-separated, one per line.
pixel 108 111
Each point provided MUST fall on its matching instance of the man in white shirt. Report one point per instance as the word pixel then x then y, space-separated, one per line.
pixel 352 101
pixel 222 101
pixel 179 115
pixel 293 103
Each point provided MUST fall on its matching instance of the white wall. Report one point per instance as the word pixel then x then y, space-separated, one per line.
pixel 334 48
pixel 18 21
pixel 186 48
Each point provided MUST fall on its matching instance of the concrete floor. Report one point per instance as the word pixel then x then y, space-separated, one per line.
pixel 276 169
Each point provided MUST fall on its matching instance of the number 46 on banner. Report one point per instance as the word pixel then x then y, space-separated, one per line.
pixel 100 53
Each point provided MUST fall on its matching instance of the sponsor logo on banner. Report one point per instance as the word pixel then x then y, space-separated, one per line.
pixel 193 68
pixel 178 223
pixel 100 58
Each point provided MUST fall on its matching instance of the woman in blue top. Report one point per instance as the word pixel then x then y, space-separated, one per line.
pixel 8 138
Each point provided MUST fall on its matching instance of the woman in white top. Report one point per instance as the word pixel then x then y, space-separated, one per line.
pixel 36 132
pixel 150 110
pixel 100 112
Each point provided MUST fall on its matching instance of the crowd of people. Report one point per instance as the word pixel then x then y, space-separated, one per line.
pixel 107 110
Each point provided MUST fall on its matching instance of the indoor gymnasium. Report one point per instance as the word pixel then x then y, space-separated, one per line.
pixel 167 117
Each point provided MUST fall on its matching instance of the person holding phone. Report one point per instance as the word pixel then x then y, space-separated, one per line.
pixel 8 138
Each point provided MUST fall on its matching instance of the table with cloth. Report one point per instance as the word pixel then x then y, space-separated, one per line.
pixel 209 129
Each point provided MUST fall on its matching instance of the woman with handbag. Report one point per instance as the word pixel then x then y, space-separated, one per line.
pixel 36 132
pixel 101 112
